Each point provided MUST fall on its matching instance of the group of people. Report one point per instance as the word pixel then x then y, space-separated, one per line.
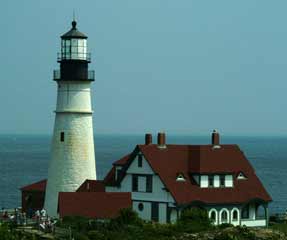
pixel 15 216
pixel 40 217
pixel 44 222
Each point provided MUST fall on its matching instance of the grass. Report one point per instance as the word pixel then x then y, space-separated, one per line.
pixel 282 227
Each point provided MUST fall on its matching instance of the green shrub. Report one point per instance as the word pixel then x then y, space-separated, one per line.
pixel 235 233
pixel 127 216
pixel 193 220
pixel 7 232
pixel 77 223
pixel 96 235
pixel 225 225
pixel 196 214
pixel 80 236
pixel 160 230
pixel 225 236
pixel 282 227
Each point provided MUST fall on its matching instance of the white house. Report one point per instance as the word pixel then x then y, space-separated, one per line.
pixel 166 179
pixel 161 180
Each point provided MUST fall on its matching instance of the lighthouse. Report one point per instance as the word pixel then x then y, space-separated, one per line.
pixel 72 150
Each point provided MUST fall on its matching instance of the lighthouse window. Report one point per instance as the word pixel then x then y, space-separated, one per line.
pixel 62 137
pixel 74 48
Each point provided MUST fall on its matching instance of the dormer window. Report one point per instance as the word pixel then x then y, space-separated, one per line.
pixel 241 176
pixel 180 178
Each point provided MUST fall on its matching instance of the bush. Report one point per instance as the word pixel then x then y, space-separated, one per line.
pixel 7 232
pixel 225 225
pixel 235 233
pixel 194 214
pixel 159 230
pixel 127 216
pixel 77 223
pixel 96 235
pixel 225 236
pixel 80 236
pixel 194 220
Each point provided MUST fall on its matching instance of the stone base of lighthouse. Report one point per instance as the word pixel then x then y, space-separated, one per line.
pixel 72 156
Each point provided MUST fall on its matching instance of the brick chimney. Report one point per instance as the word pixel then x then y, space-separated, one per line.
pixel 148 139
pixel 215 139
pixel 161 140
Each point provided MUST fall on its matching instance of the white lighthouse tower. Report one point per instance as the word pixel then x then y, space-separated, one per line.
pixel 72 151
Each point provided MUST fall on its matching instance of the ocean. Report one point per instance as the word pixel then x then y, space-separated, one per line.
pixel 24 160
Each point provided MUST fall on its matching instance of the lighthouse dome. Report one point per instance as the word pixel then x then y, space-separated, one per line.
pixel 73 33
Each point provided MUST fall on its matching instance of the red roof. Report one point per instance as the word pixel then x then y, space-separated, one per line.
pixel 110 179
pixel 92 186
pixel 38 186
pixel 201 159
pixel 101 205
pixel 123 160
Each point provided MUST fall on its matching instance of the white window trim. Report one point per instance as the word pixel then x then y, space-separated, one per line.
pixel 216 215
pixel 238 214
pixel 220 215
pixel 180 178
pixel 241 176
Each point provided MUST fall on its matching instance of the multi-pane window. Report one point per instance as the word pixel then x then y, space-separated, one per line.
pixel 210 181
pixel 74 49
pixel 222 181
pixel 141 183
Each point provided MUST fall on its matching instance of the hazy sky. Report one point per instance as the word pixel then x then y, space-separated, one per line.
pixel 183 66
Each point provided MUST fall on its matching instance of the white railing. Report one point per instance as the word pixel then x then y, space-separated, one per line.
pixel 253 223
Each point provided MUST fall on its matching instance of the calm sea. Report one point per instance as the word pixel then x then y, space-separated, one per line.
pixel 24 160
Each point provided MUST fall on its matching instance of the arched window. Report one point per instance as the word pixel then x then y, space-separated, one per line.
pixel 235 215
pixel 224 216
pixel 213 216
pixel 260 212
pixel 245 212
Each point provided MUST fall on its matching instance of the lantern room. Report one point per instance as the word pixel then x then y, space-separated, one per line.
pixel 74 45
pixel 74 58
